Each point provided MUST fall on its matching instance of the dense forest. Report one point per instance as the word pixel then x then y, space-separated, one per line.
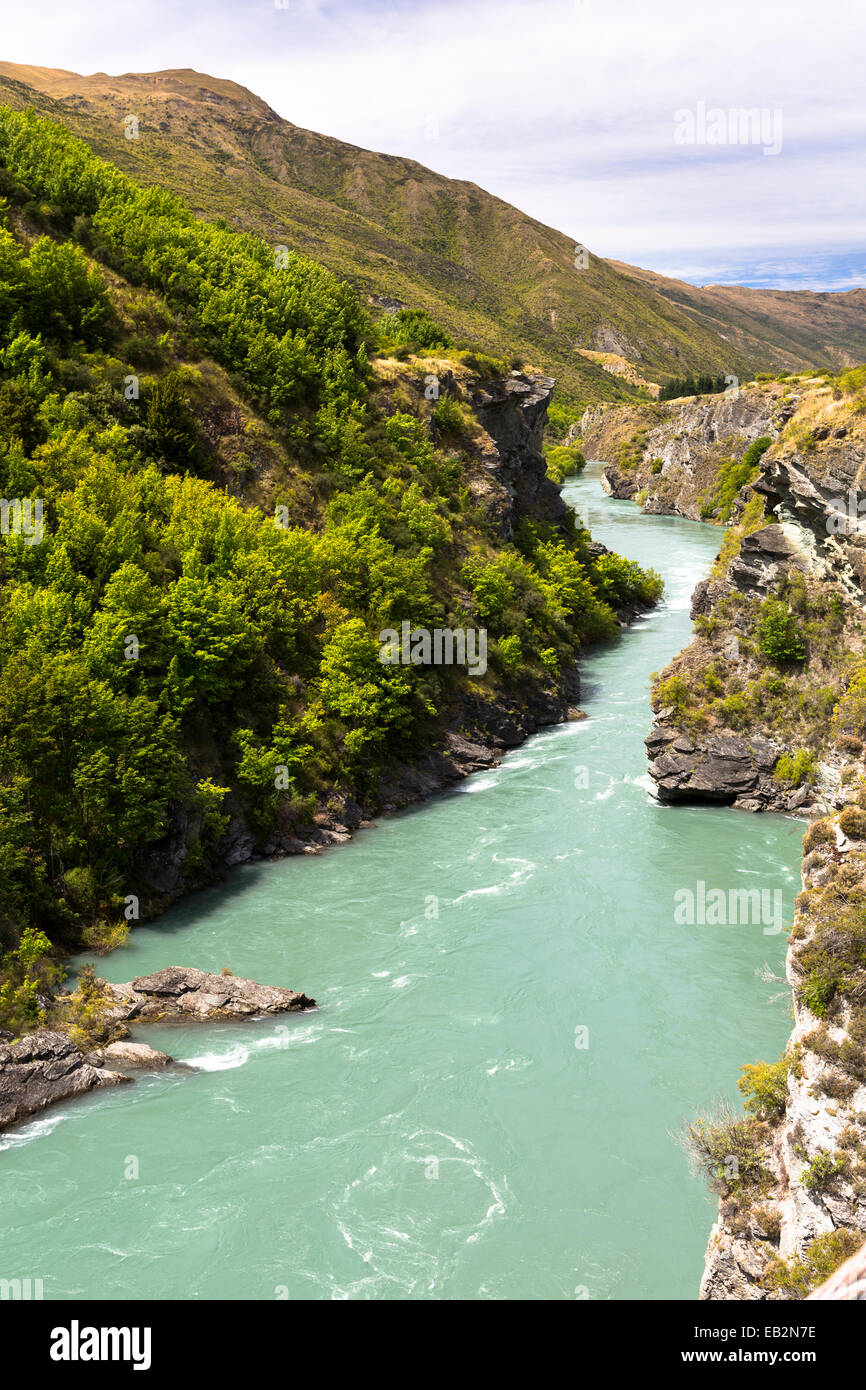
pixel 171 656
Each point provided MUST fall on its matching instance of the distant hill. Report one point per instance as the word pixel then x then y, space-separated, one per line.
pixel 488 272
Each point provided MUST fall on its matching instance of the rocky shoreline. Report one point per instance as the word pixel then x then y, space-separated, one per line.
pixel 47 1066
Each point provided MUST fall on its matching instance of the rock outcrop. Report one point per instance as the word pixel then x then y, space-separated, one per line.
pixel 722 767
pixel 127 1055
pixel 178 992
pixel 513 411
pixel 41 1069
pixel 46 1066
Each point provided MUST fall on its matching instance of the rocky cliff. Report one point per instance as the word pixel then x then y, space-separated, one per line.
pixel 668 455
pixel 788 1221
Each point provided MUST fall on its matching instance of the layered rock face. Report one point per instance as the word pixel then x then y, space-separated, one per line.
pixel 817 494
pixel 513 411
pixel 723 767
pixel 41 1069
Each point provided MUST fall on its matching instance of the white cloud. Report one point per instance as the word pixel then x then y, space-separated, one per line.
pixel 564 107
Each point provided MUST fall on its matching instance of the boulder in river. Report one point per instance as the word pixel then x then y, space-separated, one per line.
pixel 127 1055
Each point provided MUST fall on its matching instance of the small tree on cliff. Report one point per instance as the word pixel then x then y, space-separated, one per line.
pixel 780 637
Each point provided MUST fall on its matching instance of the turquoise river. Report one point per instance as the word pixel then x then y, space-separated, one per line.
pixel 512 1030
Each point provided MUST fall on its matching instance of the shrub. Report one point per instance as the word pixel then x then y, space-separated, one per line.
pixel 509 653
pixel 821 1258
pixel 413 329
pixel 765 1084
pixel 172 427
pixel 822 1171
pixel 820 832
pixel 729 1149
pixel 86 1012
pixel 852 823
pixel 27 974
pixel 625 581
pixel 756 451
pixel 796 768
pixel 780 637
pixel 735 710
pixel 672 691
pixel 732 477
pixel 564 460
pixel 448 417
pixel 849 716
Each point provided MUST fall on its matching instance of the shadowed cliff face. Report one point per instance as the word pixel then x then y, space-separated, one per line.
pixel 514 413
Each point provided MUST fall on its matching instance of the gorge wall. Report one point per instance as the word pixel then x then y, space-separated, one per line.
pixel 766 709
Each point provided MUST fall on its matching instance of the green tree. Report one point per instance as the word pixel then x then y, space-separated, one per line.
pixel 780 636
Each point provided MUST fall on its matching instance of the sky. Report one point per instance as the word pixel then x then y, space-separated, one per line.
pixel 623 123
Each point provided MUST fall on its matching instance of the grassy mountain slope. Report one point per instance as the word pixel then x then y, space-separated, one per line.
pixel 789 328
pixel 488 272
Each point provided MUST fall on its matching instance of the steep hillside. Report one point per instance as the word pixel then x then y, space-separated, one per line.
pixel 399 231
pixel 221 513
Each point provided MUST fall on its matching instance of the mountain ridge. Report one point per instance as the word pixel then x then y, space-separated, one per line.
pixel 489 272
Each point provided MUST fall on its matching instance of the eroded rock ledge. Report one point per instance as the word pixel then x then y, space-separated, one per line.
pixel 47 1066
pixel 721 767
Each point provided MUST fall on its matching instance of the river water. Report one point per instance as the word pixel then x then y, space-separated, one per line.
pixel 512 1029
